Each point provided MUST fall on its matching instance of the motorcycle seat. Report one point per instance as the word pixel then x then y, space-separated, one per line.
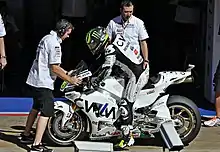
pixel 152 80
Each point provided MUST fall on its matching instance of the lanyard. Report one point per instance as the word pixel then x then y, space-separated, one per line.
pixel 124 24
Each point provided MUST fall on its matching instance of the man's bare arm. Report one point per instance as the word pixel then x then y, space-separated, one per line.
pixel 2 46
pixel 3 60
pixel 144 49
pixel 61 73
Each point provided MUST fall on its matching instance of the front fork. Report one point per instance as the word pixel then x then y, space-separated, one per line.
pixel 67 109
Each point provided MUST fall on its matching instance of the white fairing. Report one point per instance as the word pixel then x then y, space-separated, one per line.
pixel 151 94
pixel 106 103
pixel 66 109
pixel 161 107
pixel 113 86
pixel 107 110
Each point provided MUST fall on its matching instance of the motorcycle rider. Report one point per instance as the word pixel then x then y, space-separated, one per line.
pixel 122 54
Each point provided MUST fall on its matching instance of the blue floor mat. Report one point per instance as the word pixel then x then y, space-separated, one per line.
pixel 10 105
pixel 207 113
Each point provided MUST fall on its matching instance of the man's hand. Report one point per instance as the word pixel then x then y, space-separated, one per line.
pixel 145 64
pixel 76 81
pixel 144 50
pixel 95 82
pixel 3 62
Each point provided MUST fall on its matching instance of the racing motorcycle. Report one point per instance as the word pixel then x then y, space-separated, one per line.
pixel 89 113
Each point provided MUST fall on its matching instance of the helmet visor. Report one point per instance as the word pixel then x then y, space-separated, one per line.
pixel 92 47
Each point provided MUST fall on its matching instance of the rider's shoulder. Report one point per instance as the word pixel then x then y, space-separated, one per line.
pixel 117 38
pixel 110 49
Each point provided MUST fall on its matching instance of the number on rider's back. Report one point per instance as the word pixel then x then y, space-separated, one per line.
pixel 121 41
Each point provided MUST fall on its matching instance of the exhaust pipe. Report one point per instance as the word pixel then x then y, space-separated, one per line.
pixel 189 79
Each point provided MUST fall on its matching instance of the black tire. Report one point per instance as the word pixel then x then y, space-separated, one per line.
pixel 54 122
pixel 183 102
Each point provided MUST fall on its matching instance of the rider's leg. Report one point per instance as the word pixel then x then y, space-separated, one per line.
pixel 126 110
pixel 126 106
pixel 133 88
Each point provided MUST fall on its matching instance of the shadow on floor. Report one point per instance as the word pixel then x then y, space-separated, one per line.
pixel 5 136
pixel 12 139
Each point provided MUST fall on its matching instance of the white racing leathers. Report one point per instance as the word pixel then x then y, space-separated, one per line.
pixel 128 58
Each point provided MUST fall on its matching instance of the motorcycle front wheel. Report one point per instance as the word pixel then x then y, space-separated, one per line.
pixel 74 129
pixel 186 117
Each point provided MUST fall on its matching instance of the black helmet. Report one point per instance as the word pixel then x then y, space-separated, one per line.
pixel 96 39
pixel 62 26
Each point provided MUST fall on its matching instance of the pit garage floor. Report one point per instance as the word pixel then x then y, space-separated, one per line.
pixel 208 139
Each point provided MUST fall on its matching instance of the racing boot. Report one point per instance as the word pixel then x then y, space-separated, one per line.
pixel 127 139
pixel 126 117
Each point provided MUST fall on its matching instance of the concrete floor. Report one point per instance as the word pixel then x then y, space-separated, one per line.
pixel 208 139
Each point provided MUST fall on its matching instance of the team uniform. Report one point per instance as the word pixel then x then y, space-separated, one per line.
pixel 122 54
pixel 41 78
pixel 2 27
pixel 132 30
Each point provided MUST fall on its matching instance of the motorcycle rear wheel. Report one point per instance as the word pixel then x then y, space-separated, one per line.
pixel 186 116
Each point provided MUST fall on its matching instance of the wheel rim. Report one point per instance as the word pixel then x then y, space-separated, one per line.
pixel 64 135
pixel 184 119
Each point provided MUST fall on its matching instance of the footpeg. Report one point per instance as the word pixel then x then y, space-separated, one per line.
pixel 143 110
pixel 152 114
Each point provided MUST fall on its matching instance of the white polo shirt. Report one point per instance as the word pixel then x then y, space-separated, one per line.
pixel 132 30
pixel 48 52
pixel 2 27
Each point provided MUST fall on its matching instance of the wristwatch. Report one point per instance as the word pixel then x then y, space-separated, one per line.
pixel 146 60
pixel 2 56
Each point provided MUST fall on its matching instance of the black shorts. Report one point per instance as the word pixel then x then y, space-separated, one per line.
pixel 43 101
pixel 216 80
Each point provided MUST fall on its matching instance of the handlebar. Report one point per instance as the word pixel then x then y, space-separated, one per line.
pixel 83 74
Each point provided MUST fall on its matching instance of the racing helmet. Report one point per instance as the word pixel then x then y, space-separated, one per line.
pixel 96 39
